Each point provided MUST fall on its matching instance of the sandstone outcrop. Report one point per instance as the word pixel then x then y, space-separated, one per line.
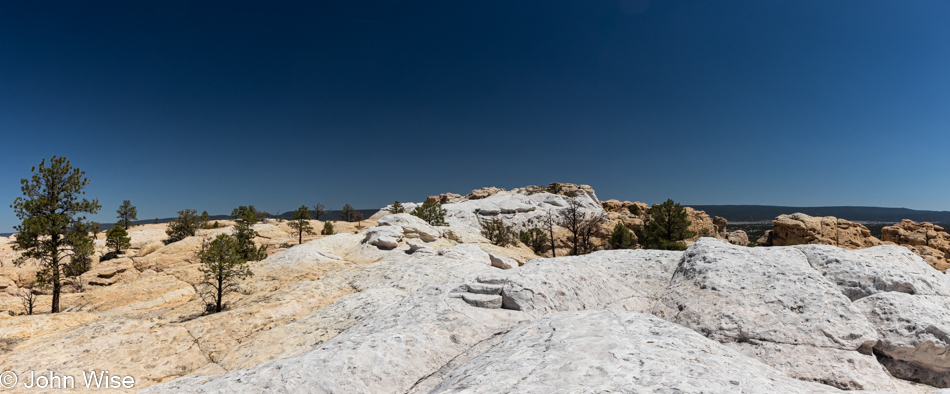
pixel 926 239
pixel 799 228
pixel 484 192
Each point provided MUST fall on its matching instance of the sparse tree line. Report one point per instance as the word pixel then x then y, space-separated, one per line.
pixel 54 231
pixel 666 227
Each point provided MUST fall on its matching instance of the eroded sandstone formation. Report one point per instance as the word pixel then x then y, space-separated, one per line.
pixel 800 229
pixel 926 239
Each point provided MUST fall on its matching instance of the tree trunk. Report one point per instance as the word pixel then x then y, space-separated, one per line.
pixel 54 268
pixel 220 292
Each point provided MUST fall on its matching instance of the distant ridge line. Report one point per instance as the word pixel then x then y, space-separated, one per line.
pixel 760 213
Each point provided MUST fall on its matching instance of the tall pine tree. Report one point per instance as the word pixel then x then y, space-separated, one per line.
pixel 53 224
pixel 667 228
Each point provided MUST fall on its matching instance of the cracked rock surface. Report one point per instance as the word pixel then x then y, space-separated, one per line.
pixel 767 298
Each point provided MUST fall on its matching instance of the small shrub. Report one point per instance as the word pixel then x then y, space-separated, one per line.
pixel 186 226
pixel 534 238
pixel 432 212
pixel 327 229
pixel 621 238
pixel 118 239
pixel 498 232
pixel 397 208
pixel 554 188
pixel 635 210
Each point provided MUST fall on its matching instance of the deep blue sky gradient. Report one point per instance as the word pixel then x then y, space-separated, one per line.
pixel 174 104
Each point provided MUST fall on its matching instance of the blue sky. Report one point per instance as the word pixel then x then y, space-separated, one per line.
pixel 209 106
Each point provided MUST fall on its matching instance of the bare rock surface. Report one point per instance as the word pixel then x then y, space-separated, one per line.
pixel 861 273
pixel 625 279
pixel 390 352
pixel 309 331
pixel 743 295
pixel 610 351
pixel 915 334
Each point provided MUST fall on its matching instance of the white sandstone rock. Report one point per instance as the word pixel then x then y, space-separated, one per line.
pixel 384 237
pixel 608 351
pixel 466 252
pixel 861 273
pixel 620 279
pixel 503 262
pixel 412 226
pixel 915 334
pixel 772 295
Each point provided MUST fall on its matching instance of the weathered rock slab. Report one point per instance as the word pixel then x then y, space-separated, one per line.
pixel 772 295
pixel 915 330
pixel 608 351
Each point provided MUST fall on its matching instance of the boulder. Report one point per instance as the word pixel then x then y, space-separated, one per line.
pixel 503 262
pixel 412 226
pixel 915 334
pixel 384 237
pixel 720 223
pixel 738 237
pixel 419 247
pixel 762 299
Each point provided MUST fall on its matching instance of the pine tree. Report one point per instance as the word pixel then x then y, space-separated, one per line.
pixel 497 232
pixel 244 237
pixel 667 228
pixel 80 261
pixel 347 213
pixel 327 228
pixel 621 238
pixel 222 267
pixel 51 210
pixel 431 211
pixel 186 226
pixel 127 213
pixel 118 239
pixel 301 222
pixel 248 214
pixel 534 238
pixel 397 208
pixel 95 226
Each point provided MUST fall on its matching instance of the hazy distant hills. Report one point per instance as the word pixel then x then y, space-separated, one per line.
pixel 760 213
